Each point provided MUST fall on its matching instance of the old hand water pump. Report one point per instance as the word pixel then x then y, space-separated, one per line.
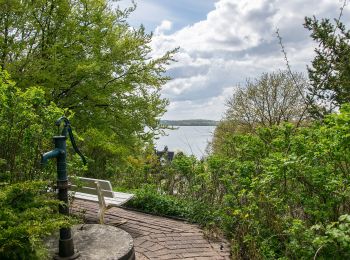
pixel 66 246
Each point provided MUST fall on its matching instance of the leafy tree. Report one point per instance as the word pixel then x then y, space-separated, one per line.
pixel 90 61
pixel 26 129
pixel 268 100
pixel 330 70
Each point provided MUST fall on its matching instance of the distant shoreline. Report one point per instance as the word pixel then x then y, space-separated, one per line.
pixel 190 122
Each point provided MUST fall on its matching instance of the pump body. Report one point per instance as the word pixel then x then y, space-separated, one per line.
pixel 66 245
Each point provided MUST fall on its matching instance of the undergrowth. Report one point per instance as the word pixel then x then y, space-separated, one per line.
pixel 28 214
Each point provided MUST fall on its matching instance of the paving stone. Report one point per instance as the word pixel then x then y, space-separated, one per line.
pixel 156 236
pixel 147 244
pixel 138 242
pixel 192 234
pixel 162 239
pixel 175 242
pixel 202 245
pixel 140 256
pixel 156 247
pixel 198 254
pixel 174 247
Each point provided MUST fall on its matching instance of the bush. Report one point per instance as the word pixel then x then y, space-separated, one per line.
pixel 282 192
pixel 149 200
pixel 27 214
pixel 284 182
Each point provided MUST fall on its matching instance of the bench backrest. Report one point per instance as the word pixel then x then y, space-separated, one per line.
pixel 88 185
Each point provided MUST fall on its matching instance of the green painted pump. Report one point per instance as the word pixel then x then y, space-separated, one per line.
pixel 66 245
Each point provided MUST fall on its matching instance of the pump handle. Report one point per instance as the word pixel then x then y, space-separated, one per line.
pixel 68 128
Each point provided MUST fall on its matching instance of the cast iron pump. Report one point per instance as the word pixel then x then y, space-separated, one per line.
pixel 66 246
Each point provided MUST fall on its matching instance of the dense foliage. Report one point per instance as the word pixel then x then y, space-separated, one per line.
pixel 282 192
pixel 81 59
pixel 26 129
pixel 27 215
pixel 149 200
pixel 90 61
pixel 28 212
pixel 285 185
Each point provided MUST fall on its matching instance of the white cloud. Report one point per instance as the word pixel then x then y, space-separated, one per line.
pixel 208 108
pixel 237 40
pixel 165 25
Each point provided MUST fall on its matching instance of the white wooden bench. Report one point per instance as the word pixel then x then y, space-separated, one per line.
pixel 99 191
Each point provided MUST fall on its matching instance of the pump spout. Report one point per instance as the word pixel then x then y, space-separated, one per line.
pixel 52 154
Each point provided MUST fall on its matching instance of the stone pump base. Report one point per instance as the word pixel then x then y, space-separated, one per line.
pixel 94 241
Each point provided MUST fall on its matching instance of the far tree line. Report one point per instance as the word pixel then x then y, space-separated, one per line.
pixel 189 122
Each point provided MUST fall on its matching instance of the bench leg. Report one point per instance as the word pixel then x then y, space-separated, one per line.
pixel 101 203
pixel 101 216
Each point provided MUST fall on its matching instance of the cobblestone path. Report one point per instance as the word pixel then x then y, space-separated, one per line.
pixel 158 237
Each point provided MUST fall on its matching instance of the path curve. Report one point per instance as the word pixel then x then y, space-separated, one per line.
pixel 158 237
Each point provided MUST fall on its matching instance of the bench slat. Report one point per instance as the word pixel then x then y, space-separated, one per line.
pixel 117 201
pixel 93 191
pixel 123 195
pixel 90 182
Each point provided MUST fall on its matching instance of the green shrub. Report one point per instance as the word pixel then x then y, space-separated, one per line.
pixel 27 214
pixel 331 241
pixel 148 199
pixel 284 182
pixel 282 192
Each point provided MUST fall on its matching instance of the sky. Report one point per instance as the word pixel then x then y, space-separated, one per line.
pixel 224 42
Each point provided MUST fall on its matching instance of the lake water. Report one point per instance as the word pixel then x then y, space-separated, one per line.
pixel 188 139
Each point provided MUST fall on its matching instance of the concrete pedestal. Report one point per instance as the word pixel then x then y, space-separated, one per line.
pixel 94 241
